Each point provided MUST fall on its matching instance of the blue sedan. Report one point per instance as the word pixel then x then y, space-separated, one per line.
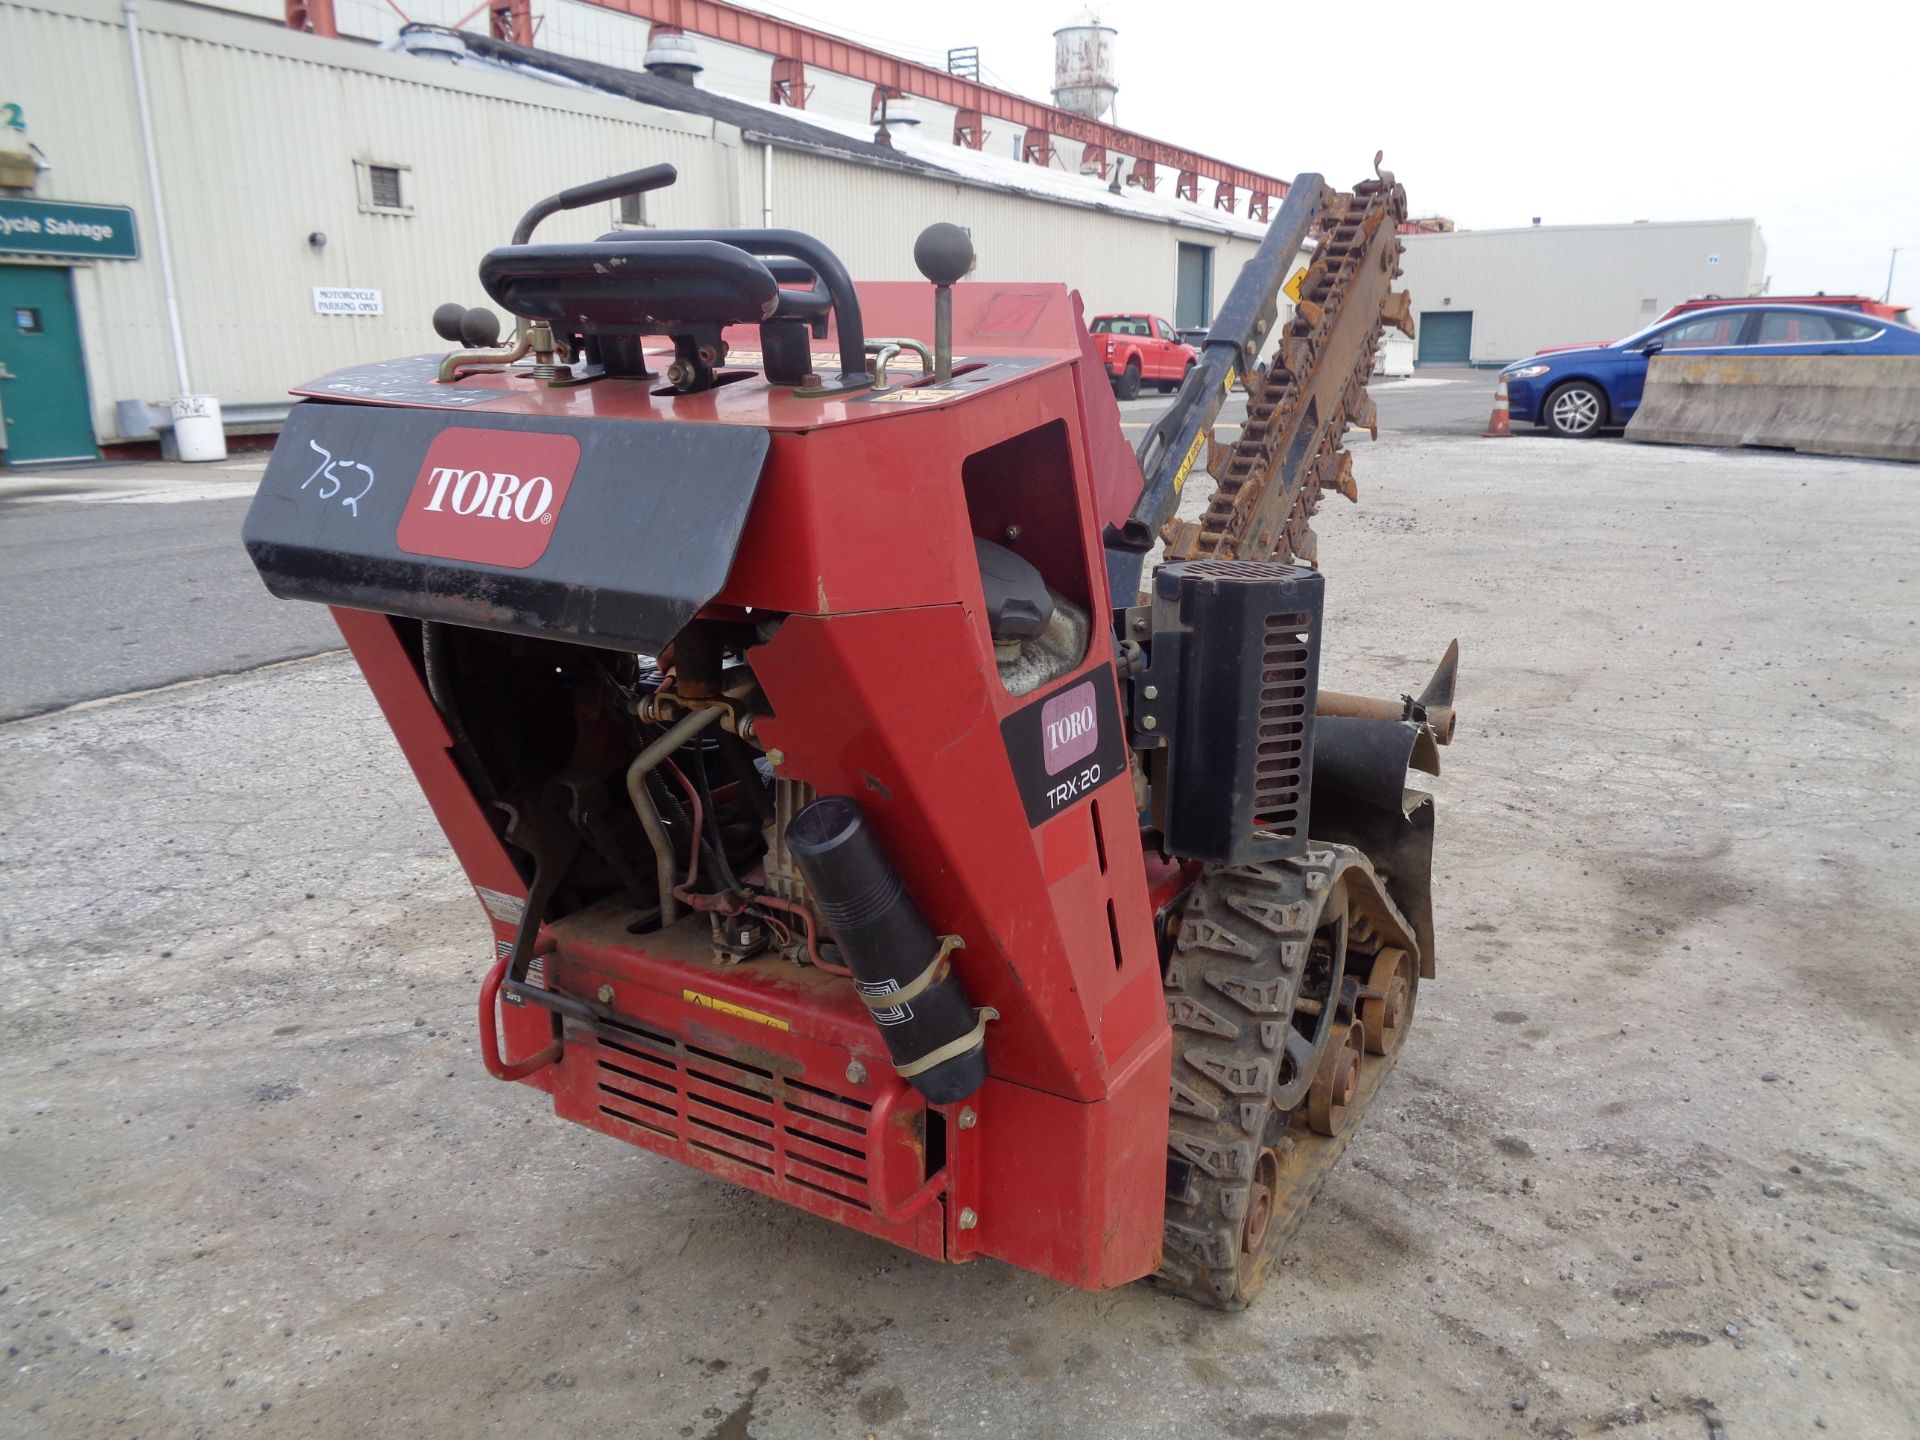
pixel 1578 392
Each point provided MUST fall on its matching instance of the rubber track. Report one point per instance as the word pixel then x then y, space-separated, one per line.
pixel 1242 948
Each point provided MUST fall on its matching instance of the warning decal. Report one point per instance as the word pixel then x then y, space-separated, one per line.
pixel 727 1007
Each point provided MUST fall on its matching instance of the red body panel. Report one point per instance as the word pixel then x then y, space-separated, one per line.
pixel 882 684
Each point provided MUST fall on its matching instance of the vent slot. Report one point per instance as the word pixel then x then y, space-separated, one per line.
pixel 635 1121
pixel 1286 682
pixel 792 1131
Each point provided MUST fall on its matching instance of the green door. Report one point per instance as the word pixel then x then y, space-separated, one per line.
pixel 43 380
pixel 1193 287
pixel 1446 337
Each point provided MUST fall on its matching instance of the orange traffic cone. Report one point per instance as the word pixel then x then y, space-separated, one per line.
pixel 1497 426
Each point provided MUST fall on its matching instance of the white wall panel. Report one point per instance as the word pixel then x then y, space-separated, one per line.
pixel 591 32
pixel 1568 284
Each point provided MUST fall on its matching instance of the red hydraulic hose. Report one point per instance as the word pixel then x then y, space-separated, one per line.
pixel 693 800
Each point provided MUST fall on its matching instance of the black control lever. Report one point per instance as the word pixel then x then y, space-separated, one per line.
pixel 634 182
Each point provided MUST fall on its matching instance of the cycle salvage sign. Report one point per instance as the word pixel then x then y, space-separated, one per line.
pixel 58 228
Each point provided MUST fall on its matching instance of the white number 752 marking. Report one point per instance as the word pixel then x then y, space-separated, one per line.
pixel 326 470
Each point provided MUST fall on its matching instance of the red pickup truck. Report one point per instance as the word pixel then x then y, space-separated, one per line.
pixel 1141 347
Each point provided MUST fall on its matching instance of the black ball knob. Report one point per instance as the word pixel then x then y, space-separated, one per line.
pixel 944 253
pixel 446 321
pixel 480 326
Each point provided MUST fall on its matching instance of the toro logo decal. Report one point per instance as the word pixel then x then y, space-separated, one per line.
pixel 1069 730
pixel 1064 746
pixel 488 496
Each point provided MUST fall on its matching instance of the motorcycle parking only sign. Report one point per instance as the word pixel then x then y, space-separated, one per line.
pixel 333 300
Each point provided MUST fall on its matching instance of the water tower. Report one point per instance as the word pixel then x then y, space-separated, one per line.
pixel 1083 81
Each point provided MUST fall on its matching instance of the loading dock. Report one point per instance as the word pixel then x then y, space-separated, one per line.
pixel 1446 337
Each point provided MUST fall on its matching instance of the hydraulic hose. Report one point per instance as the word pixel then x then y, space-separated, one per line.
pixel 681 731
pixel 436 660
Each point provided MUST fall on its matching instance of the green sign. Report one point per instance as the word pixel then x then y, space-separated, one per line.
pixel 54 227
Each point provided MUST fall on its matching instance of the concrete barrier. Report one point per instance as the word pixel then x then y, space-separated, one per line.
pixel 1819 404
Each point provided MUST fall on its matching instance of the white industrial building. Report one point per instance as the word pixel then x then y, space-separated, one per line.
pixel 323 195
pixel 1485 297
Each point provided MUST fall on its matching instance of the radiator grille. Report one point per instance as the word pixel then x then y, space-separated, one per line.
pixel 1231 569
pixel 792 1131
pixel 1286 680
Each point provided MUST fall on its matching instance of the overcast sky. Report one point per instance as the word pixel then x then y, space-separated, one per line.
pixel 1802 117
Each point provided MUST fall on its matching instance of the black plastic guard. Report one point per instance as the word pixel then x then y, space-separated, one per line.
pixel 1360 798
pixel 606 532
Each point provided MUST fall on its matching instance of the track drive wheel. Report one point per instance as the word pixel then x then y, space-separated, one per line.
pixel 1270 1056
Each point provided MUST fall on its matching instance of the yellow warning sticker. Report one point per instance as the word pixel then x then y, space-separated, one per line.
pixel 727 1007
pixel 1292 287
pixel 926 396
pixel 1193 451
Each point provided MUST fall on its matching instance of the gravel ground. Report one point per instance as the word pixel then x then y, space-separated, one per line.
pixel 1648 1166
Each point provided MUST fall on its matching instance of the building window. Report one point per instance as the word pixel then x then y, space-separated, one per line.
pixel 630 212
pixel 384 189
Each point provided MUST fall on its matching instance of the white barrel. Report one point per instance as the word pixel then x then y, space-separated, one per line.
pixel 197 432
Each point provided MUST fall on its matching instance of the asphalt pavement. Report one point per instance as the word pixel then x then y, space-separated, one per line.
pixel 117 578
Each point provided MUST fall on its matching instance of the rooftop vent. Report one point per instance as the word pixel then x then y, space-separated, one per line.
pixel 671 56
pixel 430 44
pixel 899 115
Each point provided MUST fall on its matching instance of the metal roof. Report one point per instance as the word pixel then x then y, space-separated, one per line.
pixel 842 139
pixel 777 124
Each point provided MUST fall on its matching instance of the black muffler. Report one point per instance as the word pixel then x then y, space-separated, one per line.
pixel 901 968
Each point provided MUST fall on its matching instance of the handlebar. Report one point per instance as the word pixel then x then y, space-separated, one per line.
pixel 791 245
pixel 634 182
